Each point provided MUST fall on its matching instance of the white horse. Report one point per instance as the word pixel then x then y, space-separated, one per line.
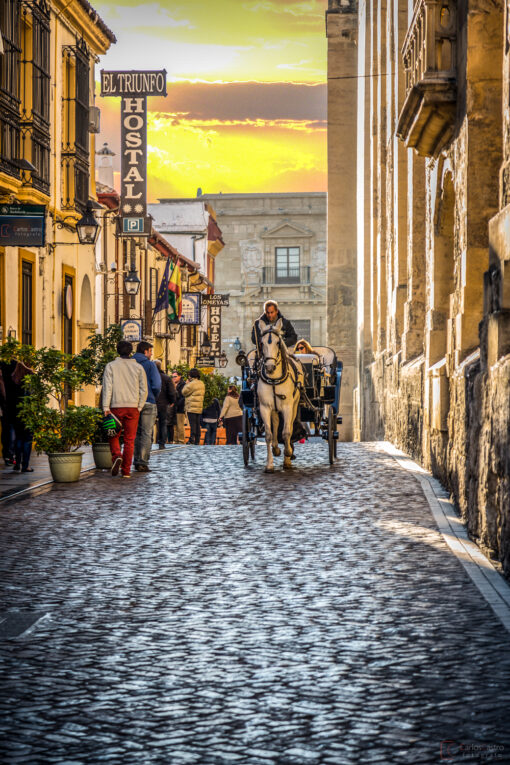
pixel 278 389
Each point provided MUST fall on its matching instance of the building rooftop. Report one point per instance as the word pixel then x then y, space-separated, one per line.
pixel 257 195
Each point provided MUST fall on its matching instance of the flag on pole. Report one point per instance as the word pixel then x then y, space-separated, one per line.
pixel 175 295
pixel 162 296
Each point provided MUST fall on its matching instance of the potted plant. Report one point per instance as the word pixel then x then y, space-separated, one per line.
pixel 59 428
pixel 91 362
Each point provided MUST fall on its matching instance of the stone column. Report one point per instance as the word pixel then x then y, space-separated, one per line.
pixel 341 31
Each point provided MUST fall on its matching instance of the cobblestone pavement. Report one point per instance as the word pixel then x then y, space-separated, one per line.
pixel 208 613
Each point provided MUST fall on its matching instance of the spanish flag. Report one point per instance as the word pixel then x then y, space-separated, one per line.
pixel 175 295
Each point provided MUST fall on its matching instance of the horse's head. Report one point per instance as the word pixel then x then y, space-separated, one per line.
pixel 271 345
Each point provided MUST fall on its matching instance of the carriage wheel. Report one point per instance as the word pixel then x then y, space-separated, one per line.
pixel 246 437
pixel 331 436
pixel 253 441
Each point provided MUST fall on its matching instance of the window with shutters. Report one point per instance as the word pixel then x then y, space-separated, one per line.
pixel 75 136
pixel 67 313
pixel 35 92
pixel 3 331
pixel 9 87
pixel 287 265
pixel 27 302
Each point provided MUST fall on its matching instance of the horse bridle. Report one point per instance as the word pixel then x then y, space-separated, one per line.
pixel 285 369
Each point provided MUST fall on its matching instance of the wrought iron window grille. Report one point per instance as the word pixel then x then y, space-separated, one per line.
pixel 10 101
pixel 75 138
pixel 35 93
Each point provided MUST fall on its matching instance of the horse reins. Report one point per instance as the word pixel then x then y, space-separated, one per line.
pixel 286 362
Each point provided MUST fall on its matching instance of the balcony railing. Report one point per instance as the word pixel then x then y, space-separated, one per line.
pixel 427 119
pixel 272 275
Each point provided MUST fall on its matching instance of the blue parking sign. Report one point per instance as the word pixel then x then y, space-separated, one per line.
pixel 132 226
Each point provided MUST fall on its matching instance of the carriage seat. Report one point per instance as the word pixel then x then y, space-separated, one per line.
pixel 309 362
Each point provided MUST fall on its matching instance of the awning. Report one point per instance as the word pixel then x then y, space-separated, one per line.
pixel 215 242
pixel 199 282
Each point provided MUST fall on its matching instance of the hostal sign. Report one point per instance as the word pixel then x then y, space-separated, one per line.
pixel 133 88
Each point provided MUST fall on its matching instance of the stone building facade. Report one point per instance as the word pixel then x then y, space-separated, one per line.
pixel 432 232
pixel 275 246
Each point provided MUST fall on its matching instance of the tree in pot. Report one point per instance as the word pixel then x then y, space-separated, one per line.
pixel 59 428
pixel 91 362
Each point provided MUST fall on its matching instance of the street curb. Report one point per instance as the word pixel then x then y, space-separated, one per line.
pixel 487 579
pixel 46 486
pixel 41 488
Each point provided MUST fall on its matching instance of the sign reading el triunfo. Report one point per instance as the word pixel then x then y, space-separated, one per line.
pixel 133 83
pixel 133 88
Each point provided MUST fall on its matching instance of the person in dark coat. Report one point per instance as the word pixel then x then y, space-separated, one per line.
pixel 164 400
pixel 23 436
pixel 270 316
pixel 7 395
pixel 210 417
pixel 180 417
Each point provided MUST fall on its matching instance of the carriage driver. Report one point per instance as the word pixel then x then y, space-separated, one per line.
pixel 270 316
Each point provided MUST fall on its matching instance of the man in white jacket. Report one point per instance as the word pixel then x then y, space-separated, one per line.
pixel 124 395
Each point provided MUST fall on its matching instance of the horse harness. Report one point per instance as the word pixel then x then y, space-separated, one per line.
pixel 287 362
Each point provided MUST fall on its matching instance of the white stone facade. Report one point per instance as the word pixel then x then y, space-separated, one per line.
pixel 253 227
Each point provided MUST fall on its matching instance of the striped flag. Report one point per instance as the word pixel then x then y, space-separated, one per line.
pixel 175 295
pixel 162 297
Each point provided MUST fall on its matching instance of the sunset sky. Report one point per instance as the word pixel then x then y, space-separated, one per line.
pixel 246 104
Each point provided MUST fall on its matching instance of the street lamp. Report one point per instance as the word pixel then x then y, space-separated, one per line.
pixel 173 329
pixel 88 227
pixel 132 283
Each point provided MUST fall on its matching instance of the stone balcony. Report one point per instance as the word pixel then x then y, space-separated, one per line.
pixel 427 119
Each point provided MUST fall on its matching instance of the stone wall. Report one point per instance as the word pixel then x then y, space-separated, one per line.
pixel 433 355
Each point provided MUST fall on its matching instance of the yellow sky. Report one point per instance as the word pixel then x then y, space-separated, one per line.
pixel 246 99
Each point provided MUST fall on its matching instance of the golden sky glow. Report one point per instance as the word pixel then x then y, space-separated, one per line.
pixel 246 105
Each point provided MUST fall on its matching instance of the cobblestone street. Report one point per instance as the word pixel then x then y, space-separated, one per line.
pixel 211 613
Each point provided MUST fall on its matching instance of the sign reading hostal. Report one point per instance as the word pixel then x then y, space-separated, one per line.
pixel 133 163
pixel 133 88
pixel 22 225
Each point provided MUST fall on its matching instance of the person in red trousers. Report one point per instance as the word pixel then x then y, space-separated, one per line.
pixel 124 395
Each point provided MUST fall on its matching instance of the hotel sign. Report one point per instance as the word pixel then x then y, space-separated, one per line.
pixel 133 83
pixel 216 299
pixel 133 88
pixel 215 329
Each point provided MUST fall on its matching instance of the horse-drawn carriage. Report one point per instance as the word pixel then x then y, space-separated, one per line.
pixel 317 390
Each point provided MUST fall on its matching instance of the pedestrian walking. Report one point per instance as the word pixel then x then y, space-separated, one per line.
pixel 8 413
pixel 210 417
pixel 124 395
pixel 144 433
pixel 179 413
pixel 22 435
pixel 170 423
pixel 165 399
pixel 194 392
pixel 232 415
